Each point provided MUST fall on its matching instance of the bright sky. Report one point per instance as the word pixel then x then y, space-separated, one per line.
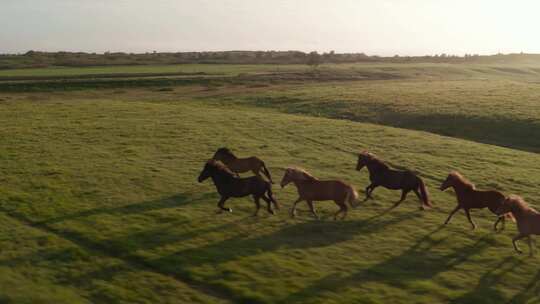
pixel 383 27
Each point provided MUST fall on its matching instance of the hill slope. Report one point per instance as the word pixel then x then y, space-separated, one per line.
pixel 100 202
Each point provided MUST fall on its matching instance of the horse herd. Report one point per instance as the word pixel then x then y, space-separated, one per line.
pixel 224 168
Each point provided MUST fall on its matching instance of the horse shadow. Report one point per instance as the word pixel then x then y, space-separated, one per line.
pixel 174 201
pixel 530 292
pixel 306 235
pixel 486 290
pixel 415 263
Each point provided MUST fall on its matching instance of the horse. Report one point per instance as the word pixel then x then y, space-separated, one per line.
pixel 228 185
pixel 468 197
pixel 381 174
pixel 528 219
pixel 241 165
pixel 312 189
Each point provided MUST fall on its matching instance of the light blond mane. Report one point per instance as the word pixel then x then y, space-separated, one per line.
pixel 300 174
pixel 462 180
pixel 518 201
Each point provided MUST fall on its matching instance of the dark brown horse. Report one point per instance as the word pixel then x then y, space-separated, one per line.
pixel 312 189
pixel 241 165
pixel 468 197
pixel 528 219
pixel 228 185
pixel 381 174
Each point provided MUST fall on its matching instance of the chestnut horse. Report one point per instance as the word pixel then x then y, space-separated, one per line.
pixel 468 197
pixel 228 185
pixel 312 189
pixel 381 174
pixel 241 165
pixel 528 219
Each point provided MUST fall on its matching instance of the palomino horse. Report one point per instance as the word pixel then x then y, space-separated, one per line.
pixel 380 174
pixel 312 189
pixel 470 198
pixel 528 219
pixel 241 165
pixel 228 185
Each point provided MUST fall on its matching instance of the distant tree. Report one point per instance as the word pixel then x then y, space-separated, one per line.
pixel 313 59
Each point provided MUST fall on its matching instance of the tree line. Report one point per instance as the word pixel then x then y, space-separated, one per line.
pixel 36 59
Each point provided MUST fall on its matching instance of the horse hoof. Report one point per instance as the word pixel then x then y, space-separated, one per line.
pixel 229 209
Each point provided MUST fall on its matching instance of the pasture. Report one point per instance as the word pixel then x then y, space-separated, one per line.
pixel 99 199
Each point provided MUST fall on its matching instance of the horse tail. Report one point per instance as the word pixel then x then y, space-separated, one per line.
pixel 352 197
pixel 271 196
pixel 424 193
pixel 266 172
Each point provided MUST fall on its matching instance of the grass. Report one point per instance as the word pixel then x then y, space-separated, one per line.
pixel 99 203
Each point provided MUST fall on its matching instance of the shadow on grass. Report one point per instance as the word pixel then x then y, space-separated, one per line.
pixel 304 235
pixel 174 201
pixel 415 263
pixel 530 292
pixel 486 290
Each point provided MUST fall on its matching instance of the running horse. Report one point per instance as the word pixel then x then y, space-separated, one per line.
pixel 312 189
pixel 228 185
pixel 241 165
pixel 380 174
pixel 468 197
pixel 528 219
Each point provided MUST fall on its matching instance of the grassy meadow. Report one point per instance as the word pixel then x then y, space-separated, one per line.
pixel 99 201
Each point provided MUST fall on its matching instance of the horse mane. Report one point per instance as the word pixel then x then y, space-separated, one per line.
pixel 462 180
pixel 303 173
pixel 374 159
pixel 220 167
pixel 226 151
pixel 520 202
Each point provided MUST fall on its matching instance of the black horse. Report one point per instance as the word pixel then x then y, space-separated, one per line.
pixel 228 185
pixel 380 174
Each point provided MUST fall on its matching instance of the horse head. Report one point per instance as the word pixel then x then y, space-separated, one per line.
pixel 207 170
pixel 295 174
pixel 363 158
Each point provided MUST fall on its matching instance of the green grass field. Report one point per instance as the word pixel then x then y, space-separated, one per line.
pixel 99 200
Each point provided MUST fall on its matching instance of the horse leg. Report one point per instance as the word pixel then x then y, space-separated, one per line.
pixel 271 198
pixel 345 209
pixel 452 214
pixel 367 193
pixel 420 198
pixel 293 209
pixel 531 252
pixel 499 219
pixel 256 200
pixel 269 204
pixel 221 205
pixel 516 238
pixel 369 190
pixel 342 208
pixel 403 197
pixel 469 218
pixel 312 209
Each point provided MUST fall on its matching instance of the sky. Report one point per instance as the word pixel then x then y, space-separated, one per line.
pixel 377 27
